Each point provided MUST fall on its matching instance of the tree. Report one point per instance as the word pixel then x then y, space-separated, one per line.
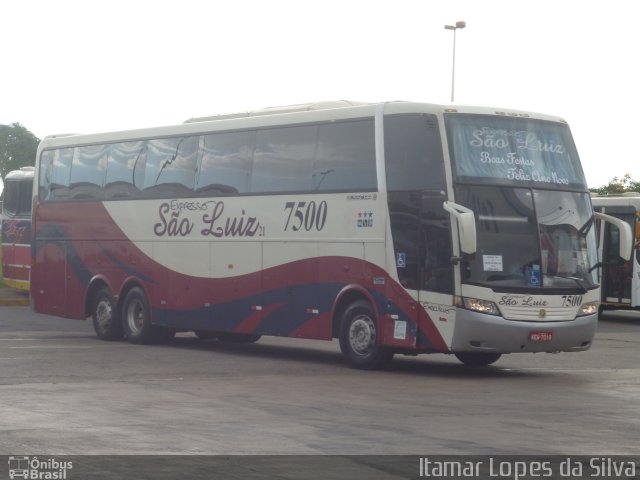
pixel 618 185
pixel 18 148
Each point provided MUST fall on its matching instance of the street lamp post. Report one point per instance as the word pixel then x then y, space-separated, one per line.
pixel 453 67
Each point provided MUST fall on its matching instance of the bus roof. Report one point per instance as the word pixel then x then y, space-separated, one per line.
pixel 626 199
pixel 278 116
pixel 23 173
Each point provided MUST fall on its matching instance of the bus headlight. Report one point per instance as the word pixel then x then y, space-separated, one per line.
pixel 588 309
pixel 481 306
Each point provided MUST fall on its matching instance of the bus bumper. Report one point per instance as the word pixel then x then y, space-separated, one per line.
pixel 477 332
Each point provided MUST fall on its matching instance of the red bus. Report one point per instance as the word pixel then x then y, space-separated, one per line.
pixel 395 228
pixel 16 227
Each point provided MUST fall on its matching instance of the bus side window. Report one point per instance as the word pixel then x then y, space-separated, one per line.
pixel 345 158
pixel 171 166
pixel 225 164
pixel 60 172
pixel 46 164
pixel 125 170
pixel 87 172
pixel 283 159
pixel 413 152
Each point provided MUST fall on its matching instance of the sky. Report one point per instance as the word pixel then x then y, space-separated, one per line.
pixel 92 66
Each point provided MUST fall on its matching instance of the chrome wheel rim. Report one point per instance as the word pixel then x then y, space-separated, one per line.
pixel 104 314
pixel 362 335
pixel 135 317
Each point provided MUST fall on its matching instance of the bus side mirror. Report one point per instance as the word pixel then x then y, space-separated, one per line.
pixel 626 239
pixel 466 221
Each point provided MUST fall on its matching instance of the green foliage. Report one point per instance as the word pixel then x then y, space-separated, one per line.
pixel 17 148
pixel 618 185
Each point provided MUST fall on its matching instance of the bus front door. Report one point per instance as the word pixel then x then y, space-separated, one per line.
pixel 616 273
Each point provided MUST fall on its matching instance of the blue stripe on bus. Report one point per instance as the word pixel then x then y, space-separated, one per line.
pixel 282 321
pixel 123 266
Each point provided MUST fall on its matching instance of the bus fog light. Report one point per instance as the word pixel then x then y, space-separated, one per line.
pixel 588 309
pixel 482 306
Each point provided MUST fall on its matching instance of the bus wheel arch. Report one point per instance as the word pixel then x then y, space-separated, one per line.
pixel 344 299
pixel 104 311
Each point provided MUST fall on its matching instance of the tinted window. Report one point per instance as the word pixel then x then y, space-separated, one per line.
pixel 46 159
pixel 345 157
pixel 26 197
pixel 283 159
pixel 11 195
pixel 125 170
pixel 421 241
pixel 55 167
pixel 225 166
pixel 87 171
pixel 171 166
pixel 413 153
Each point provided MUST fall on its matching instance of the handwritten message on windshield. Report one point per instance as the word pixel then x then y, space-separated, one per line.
pixel 516 155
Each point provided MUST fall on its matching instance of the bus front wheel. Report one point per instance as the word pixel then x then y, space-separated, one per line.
pixel 359 338
pixel 477 359
pixel 105 316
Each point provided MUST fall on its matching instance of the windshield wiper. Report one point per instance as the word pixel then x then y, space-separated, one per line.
pixel 577 280
pixel 585 228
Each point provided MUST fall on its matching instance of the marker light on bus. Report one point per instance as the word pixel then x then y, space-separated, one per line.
pixel 481 306
pixel 588 309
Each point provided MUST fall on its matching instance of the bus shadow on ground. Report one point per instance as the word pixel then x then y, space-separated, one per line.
pixel 627 317
pixel 436 365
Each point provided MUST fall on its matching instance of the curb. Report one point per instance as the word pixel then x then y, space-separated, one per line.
pixel 14 302
pixel 13 298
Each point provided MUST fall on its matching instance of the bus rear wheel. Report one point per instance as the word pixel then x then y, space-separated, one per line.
pixel 359 338
pixel 477 359
pixel 136 316
pixel 105 316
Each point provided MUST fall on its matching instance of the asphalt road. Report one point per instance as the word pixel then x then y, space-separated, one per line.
pixel 64 392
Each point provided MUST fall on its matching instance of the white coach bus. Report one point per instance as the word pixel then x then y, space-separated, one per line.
pixel 620 278
pixel 397 228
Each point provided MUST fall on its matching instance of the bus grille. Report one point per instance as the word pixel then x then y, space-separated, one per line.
pixel 538 314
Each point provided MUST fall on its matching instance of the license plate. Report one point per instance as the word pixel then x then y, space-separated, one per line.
pixel 540 337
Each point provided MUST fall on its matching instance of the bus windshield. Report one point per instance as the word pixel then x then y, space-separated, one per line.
pixel 531 238
pixel 514 150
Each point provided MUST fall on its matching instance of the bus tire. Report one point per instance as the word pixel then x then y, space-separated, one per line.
pixel 231 337
pixel 477 359
pixel 106 318
pixel 136 318
pixel 359 338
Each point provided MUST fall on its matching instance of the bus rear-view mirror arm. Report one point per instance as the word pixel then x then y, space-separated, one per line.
pixel 466 221
pixel 626 238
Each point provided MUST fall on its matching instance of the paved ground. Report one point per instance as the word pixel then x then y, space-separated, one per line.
pixel 62 391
